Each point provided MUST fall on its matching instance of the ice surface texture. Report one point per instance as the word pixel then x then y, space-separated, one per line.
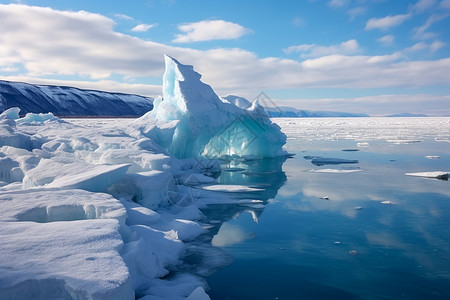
pixel 190 120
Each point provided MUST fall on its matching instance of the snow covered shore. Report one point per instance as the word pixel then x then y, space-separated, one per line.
pixel 105 212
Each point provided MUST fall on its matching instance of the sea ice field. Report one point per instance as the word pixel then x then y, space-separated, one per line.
pixel 205 198
pixel 350 225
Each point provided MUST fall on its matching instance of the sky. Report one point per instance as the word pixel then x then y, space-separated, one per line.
pixel 378 57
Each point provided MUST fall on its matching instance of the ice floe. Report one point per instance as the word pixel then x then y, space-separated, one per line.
pixel 434 174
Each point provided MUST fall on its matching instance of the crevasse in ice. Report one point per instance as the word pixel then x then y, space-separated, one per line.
pixel 190 120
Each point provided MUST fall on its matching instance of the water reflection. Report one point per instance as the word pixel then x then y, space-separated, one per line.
pixel 204 257
pixel 336 234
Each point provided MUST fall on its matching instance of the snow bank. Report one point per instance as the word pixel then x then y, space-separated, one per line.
pixel 52 205
pixel 63 260
pixel 191 121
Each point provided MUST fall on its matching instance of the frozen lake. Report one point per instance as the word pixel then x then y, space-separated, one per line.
pixel 329 230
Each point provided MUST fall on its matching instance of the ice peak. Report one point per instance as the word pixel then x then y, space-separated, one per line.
pixel 192 121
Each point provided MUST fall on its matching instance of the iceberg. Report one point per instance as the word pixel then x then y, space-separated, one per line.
pixel 190 120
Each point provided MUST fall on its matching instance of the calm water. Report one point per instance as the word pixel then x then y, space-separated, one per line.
pixel 366 231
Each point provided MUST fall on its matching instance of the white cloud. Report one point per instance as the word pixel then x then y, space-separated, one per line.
pixel 386 40
pixel 422 46
pixel 377 105
pixel 143 27
pixel 297 22
pixel 123 17
pixel 436 45
pixel 338 3
pixel 386 22
pixel 445 4
pixel 357 11
pixel 313 50
pixel 423 5
pixel 88 49
pixel 209 30
pixel 422 33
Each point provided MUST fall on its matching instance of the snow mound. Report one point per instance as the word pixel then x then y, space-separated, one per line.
pixel 52 205
pixel 64 260
pixel 190 120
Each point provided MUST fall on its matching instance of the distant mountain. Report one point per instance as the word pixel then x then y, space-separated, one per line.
pixel 291 112
pixel 407 115
pixel 70 101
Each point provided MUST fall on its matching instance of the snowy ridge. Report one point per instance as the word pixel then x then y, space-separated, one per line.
pixel 70 101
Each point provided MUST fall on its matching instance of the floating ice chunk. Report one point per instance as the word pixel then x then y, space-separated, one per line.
pixel 403 141
pixel 229 188
pixel 32 118
pixel 337 171
pixel 432 156
pixel 388 202
pixel 363 144
pixel 191 121
pixel 320 161
pixel 63 260
pixel 435 174
pixel 12 112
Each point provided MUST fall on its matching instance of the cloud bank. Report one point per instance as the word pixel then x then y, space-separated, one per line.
pixel 86 47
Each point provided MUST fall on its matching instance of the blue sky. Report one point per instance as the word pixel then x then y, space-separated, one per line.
pixel 372 56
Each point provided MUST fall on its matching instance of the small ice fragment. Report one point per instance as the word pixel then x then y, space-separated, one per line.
pixel 353 252
pixel 336 171
pixel 337 243
pixel 358 207
pixel 434 174
pixel 432 156
pixel 325 198
pixel 230 188
pixel 364 144
pixel 388 202
pixel 320 161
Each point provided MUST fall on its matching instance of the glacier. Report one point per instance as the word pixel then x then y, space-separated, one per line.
pixel 111 210
pixel 190 120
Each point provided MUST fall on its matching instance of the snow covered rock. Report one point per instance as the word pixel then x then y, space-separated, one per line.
pixel 192 121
